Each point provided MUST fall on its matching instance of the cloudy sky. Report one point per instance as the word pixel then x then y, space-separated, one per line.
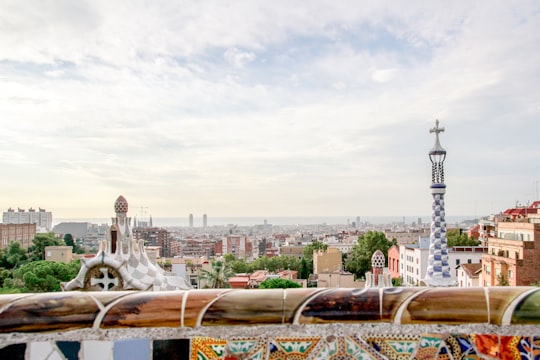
pixel 267 108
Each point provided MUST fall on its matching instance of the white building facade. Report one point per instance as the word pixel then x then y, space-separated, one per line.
pixel 42 218
pixel 414 260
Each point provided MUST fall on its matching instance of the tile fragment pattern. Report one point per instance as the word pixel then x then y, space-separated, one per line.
pixel 370 347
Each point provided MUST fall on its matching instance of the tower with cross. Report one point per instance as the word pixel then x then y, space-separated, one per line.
pixel 438 271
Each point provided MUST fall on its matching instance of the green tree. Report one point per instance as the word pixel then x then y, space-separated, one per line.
pixel 69 241
pixel 455 237
pixel 239 266
pixel 359 258
pixel 278 283
pixel 42 276
pixel 304 271
pixel 228 258
pixel 40 242
pixel 502 280
pixel 218 276
pixel 4 274
pixel 14 255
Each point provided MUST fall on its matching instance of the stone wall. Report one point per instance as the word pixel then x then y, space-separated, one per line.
pixel 314 323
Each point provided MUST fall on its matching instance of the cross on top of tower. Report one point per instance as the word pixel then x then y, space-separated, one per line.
pixel 437 148
pixel 437 129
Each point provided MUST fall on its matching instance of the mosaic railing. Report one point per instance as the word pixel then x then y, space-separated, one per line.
pixel 391 323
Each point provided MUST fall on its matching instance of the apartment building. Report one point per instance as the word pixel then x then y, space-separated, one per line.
pixel 23 233
pixel 513 256
pixel 41 218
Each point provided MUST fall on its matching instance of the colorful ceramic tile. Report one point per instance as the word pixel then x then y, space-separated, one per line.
pixel 343 305
pixel 70 349
pixel 439 305
pixel 246 348
pixel 292 348
pixel 173 349
pixel 460 346
pixel 393 347
pixel 13 352
pixel 515 347
pixel 343 347
pixel 487 344
pixel 206 348
pixel 528 310
pixel 97 350
pixel 535 347
pixel 132 349
pixel 429 347
pixel 444 353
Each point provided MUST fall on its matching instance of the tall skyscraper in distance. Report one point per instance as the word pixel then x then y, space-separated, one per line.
pixel 205 220
pixel 438 271
pixel 190 220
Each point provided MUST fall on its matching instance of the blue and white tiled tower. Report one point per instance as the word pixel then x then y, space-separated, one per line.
pixel 438 271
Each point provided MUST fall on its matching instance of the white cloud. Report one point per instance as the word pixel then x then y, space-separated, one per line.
pixel 257 104
pixel 384 75
pixel 238 58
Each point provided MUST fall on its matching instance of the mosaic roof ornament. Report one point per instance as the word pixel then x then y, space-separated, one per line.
pixel 122 263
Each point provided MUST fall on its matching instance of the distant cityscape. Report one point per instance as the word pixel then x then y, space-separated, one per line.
pixel 281 220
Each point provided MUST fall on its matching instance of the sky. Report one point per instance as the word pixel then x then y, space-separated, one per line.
pixel 267 108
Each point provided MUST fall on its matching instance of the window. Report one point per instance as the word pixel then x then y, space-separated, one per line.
pixel 457 261
pixel 510 274
pixel 469 261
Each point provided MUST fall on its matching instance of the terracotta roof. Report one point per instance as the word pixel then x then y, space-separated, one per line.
pixel 471 269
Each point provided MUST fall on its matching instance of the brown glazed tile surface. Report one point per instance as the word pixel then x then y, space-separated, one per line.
pixel 146 309
pixel 245 307
pixel 343 305
pixel 295 298
pixel 11 298
pixel 499 300
pixel 393 298
pixel 49 312
pixel 196 303
pixel 106 297
pixel 447 306
pixel 528 310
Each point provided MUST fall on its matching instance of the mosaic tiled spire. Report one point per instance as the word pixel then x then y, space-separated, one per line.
pixel 438 271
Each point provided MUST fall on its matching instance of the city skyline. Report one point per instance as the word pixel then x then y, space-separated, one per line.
pixel 267 109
